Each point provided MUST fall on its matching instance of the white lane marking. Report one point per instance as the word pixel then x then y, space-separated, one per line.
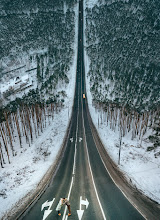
pixel 64 214
pixel 104 217
pixel 80 211
pixel 117 184
pixel 73 172
pixel 48 211
pixel 65 210
pixel 74 163
pixel 84 202
pixel 75 152
pixel 94 183
pixel 80 214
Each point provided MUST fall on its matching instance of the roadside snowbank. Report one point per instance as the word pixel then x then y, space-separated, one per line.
pixel 29 166
pixel 31 163
pixel 139 166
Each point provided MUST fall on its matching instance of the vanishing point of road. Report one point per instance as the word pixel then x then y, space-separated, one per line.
pixel 82 175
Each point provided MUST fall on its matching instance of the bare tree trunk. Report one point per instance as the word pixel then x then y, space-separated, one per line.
pixel 1 156
pixel 37 117
pixel 48 116
pixel 5 143
pixel 24 127
pixel 52 108
pixel 9 132
pixel 18 129
pixel 11 125
pixel 28 122
pixel 1 160
pixel 33 119
pixel 44 109
pixel 40 117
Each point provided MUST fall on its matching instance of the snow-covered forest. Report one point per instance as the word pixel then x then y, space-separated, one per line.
pixel 39 38
pixel 38 52
pixel 123 85
pixel 122 43
pixel 38 42
pixel 22 127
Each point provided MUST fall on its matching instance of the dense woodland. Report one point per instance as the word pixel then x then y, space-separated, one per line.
pixel 22 127
pixel 29 25
pixel 123 46
pixel 46 27
pixel 122 42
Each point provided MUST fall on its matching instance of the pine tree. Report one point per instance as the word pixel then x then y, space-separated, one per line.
pixel 18 129
pixel 1 156
pixel 4 142
pixel 9 132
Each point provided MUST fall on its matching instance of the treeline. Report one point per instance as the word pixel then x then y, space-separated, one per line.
pixel 131 121
pixel 24 5
pixel 48 24
pixel 123 46
pixel 36 31
pixel 22 127
pixel 48 76
pixel 48 29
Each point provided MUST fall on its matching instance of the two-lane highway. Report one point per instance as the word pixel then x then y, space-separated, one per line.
pixel 82 176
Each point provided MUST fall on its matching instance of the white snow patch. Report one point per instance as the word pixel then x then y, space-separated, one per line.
pixel 139 166
pixel 31 163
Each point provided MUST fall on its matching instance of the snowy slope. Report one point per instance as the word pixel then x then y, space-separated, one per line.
pixel 139 166
pixel 29 166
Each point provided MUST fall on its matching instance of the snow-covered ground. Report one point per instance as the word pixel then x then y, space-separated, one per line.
pixel 30 164
pixel 19 77
pixel 139 166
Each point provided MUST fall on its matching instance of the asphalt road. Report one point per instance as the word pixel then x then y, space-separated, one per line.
pixel 82 176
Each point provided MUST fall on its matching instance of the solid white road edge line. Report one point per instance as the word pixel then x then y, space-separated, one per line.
pixel 88 157
pixel 74 163
pixel 64 214
pixel 104 217
pixel 117 184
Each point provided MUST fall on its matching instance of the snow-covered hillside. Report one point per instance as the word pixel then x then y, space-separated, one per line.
pixel 123 46
pixel 30 164
pixel 33 157
pixel 140 166
pixel 36 39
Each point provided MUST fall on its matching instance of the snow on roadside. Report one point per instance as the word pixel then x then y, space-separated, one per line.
pixel 31 163
pixel 139 166
pixel 28 167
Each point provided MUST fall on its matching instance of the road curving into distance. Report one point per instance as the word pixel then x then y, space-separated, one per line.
pixel 82 174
